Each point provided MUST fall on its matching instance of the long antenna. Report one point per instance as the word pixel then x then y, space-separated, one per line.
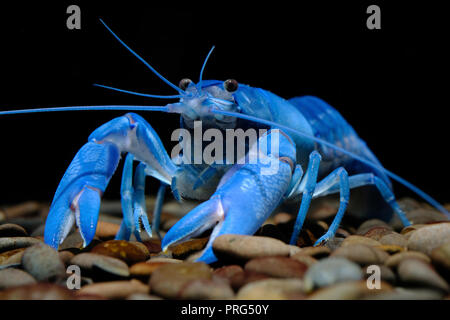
pixel 203 68
pixel 142 60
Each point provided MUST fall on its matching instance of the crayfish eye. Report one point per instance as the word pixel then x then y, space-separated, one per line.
pixel 184 83
pixel 230 85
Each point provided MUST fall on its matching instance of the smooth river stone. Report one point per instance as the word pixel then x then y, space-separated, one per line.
pixel 279 267
pixel 271 289
pixel 43 262
pixel 417 272
pixel 428 238
pixel 14 277
pixel 362 254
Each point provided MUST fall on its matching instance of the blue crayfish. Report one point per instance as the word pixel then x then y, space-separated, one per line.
pixel 318 153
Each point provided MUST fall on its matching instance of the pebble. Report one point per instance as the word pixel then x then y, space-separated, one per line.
pixel 142 296
pixel 215 288
pixel 153 245
pixel 107 264
pixel 106 230
pixel 168 280
pixel 43 262
pixel 65 256
pixel 130 252
pixel 14 277
pixel 282 217
pixel 394 260
pixel 376 233
pixel 395 239
pixel 334 243
pixel 233 273
pixel 356 239
pixel 419 216
pixel 369 224
pixel 350 290
pixel 316 252
pixel 331 270
pixel 39 291
pixel 145 269
pixel 22 209
pixel 430 237
pixel 11 256
pixel 391 249
pixel 278 267
pixel 308 260
pixel 12 230
pixel 362 254
pixel 115 289
pixel 72 241
pixel 186 248
pixel 400 293
pixel 417 272
pixel 271 289
pixel 12 243
pixel 441 255
pixel 249 247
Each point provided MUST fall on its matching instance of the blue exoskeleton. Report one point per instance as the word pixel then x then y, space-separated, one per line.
pixel 318 154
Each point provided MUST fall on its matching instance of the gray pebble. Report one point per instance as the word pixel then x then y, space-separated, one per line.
pixel 43 262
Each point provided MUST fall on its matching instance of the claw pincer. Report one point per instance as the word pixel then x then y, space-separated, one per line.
pixel 77 199
pixel 245 197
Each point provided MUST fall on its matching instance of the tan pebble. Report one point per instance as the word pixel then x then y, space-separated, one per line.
pixel 376 233
pixel 65 256
pixel 107 264
pixel 7 244
pixel 106 230
pixel 441 255
pixel 317 252
pixel 162 259
pixel 361 254
pixel 356 239
pixel 294 250
pixel 369 224
pixel 12 230
pixel 14 277
pixel 11 256
pixel 415 271
pixel 282 217
pixel 115 289
pixel 186 248
pixel 215 288
pixel 43 262
pixel 270 289
pixel 430 237
pixel 38 291
pixel 145 268
pixel 248 247
pixel 391 249
pixel 233 273
pixel 395 239
pixel 142 296
pixel 352 290
pixel 308 260
pixel 394 260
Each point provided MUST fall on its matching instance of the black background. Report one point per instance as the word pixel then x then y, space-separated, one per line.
pixel 389 84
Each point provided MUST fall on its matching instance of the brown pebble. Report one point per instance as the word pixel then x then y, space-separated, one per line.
pixel 308 260
pixel 115 289
pixel 65 256
pixel 395 239
pixel 184 249
pixel 128 251
pixel 145 269
pixel 153 245
pixel 376 233
pixel 351 290
pixel 369 224
pixel 391 249
pixel 279 267
pixel 233 273
pixel 282 217
pixel 168 280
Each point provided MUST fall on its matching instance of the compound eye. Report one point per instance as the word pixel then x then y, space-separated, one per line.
pixel 184 83
pixel 231 85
